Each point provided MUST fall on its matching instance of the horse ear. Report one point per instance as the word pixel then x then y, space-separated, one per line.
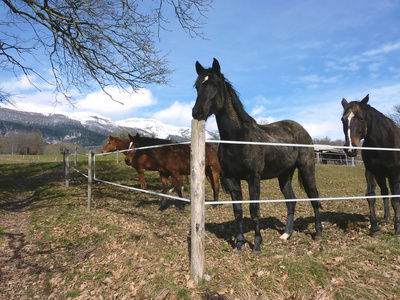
pixel 130 137
pixel 365 100
pixel 216 67
pixel 137 135
pixel 199 68
pixel 344 103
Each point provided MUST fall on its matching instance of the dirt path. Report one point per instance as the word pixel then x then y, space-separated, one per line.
pixel 17 271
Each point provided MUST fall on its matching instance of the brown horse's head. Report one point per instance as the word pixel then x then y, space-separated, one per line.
pixel 110 146
pixel 354 121
pixel 129 155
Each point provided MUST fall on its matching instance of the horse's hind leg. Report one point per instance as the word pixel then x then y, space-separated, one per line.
pixel 164 182
pixel 307 176
pixel 285 184
pixel 177 182
pixel 213 179
pixel 395 189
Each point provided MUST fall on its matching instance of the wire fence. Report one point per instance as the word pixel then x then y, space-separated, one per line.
pixel 315 146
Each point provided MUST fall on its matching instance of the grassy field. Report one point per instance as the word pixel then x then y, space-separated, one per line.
pixel 52 248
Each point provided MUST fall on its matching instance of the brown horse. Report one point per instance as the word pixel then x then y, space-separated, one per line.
pixel 118 143
pixel 174 161
pixel 362 121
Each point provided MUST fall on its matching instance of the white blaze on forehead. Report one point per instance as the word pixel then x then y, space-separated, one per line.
pixel 130 145
pixel 351 115
pixel 205 79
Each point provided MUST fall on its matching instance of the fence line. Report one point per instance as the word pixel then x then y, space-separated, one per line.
pixel 197 255
pixel 244 143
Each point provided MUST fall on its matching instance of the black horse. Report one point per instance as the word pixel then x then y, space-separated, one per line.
pixel 361 121
pixel 215 95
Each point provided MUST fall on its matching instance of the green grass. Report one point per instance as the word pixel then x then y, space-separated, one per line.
pixel 126 246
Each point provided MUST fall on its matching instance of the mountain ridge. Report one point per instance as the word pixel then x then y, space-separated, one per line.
pixel 87 129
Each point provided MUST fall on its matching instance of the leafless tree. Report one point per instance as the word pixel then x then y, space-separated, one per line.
pixel 109 42
pixel 395 115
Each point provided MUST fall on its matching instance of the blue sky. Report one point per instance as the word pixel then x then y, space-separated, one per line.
pixel 287 59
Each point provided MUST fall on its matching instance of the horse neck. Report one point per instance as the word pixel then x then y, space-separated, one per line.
pixel 122 144
pixel 233 120
pixel 381 132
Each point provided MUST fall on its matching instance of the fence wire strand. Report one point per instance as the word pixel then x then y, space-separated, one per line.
pixel 315 146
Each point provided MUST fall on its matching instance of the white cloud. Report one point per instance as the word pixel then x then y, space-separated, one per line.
pixel 179 114
pixel 257 110
pixel 383 50
pixel 17 85
pixel 101 103
pixel 324 129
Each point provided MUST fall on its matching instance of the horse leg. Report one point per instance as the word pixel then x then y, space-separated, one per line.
pixel 384 192
pixel 254 191
pixel 395 189
pixel 233 187
pixel 371 186
pixel 164 181
pixel 177 182
pixel 285 184
pixel 141 178
pixel 307 176
pixel 214 182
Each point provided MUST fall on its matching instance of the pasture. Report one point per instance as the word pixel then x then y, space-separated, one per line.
pixel 52 248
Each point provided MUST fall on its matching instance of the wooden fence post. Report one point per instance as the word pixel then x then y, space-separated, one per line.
pixel 75 157
pixel 90 180
pixel 197 187
pixel 66 153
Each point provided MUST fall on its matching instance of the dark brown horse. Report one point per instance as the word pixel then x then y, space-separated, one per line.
pixel 118 143
pixel 174 161
pixel 362 121
pixel 215 95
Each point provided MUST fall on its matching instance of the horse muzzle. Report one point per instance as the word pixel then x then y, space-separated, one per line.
pixel 128 161
pixel 351 152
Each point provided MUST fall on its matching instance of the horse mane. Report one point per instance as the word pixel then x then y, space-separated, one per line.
pixel 379 120
pixel 237 104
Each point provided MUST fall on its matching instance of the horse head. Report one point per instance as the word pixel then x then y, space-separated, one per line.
pixel 354 121
pixel 129 155
pixel 210 88
pixel 109 147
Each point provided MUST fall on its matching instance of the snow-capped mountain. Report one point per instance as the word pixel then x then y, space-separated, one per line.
pixel 87 129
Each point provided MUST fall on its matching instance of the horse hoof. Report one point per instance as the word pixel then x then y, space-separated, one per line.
pixel 318 236
pixel 257 249
pixel 161 208
pixel 375 234
pixel 285 236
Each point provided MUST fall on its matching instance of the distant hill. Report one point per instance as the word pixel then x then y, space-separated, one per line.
pixel 86 129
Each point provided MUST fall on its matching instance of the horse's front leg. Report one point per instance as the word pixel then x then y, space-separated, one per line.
pixel 254 192
pixel 233 187
pixel 142 181
pixel 384 192
pixel 371 186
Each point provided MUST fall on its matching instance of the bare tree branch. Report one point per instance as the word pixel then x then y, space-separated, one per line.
pixel 109 42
